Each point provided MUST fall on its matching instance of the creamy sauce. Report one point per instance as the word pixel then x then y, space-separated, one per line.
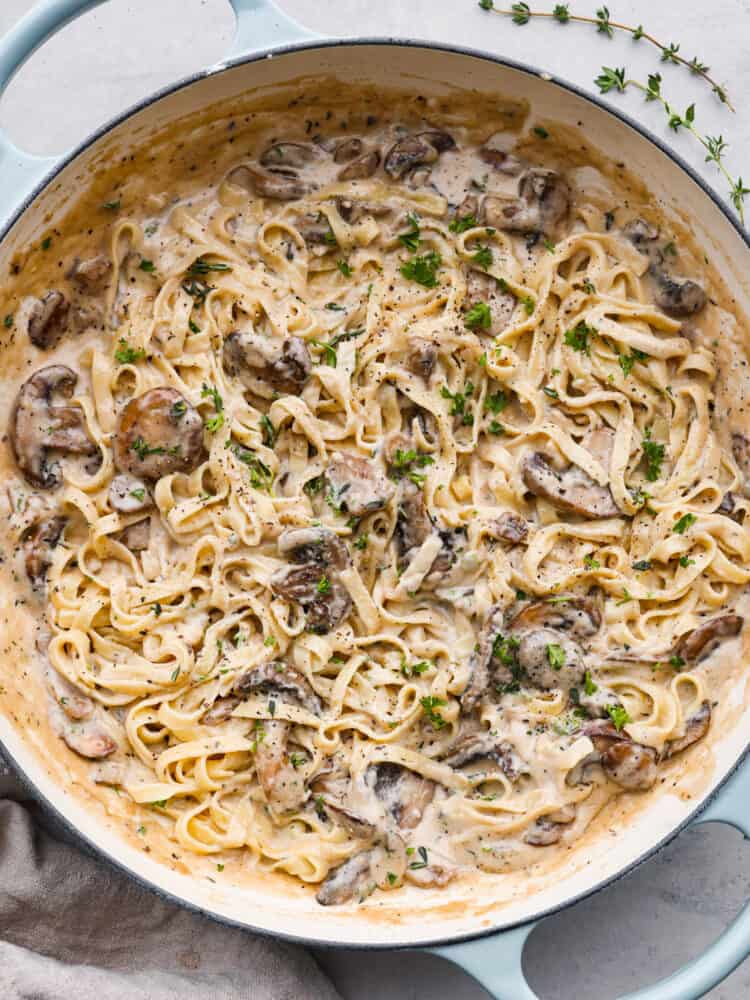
pixel 443 353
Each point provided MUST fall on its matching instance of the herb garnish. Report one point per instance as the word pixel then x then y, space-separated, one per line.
pixel 458 404
pixel 681 526
pixel 589 687
pixel 216 422
pixel 619 716
pixel 578 337
pixel 402 463
pixel 422 852
pixel 483 258
pixel 478 317
pixel 261 476
pixel 268 431
pixel 429 703
pixel 201 266
pixel 414 669
pixel 460 225
pixel 423 269
pixel 654 455
pixel 555 655
pixel 127 355
pixel 411 238
pixel 143 450
pixel 590 563
pixel 147 265
pixel 343 266
pixel 627 361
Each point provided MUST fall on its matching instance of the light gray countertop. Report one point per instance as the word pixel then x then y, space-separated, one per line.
pixel 665 912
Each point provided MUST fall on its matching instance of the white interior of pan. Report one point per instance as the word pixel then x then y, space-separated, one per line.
pixel 413 916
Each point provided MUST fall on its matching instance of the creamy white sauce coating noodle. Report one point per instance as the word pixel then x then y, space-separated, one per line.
pixel 449 355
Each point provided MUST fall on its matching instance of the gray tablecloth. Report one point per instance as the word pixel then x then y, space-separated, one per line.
pixel 71 928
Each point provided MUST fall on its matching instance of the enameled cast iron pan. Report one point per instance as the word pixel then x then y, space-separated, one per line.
pixel 473 929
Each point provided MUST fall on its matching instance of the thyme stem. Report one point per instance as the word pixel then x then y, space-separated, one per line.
pixel 521 14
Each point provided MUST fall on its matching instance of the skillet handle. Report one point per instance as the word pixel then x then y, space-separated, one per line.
pixel 261 25
pixel 495 961
pixel 22 172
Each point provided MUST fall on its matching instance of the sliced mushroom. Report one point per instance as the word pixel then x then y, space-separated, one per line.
pixel 485 746
pixel 282 185
pixel 641 234
pixel 129 495
pixel 571 490
pixel 352 211
pixel 48 320
pixel 283 786
pixel 347 150
pixel 38 540
pixel 267 365
pixel 413 524
pixel 550 659
pixel 704 639
pixel 356 825
pixel 287 154
pixel 421 357
pixel 579 616
pixel 91 275
pixel 76 706
pixel 417 150
pixel 362 167
pixel 313 582
pixel 404 794
pixel 88 739
pixel 469 208
pixel 356 486
pixel 741 452
pixel 542 203
pixel 136 537
pixel 509 527
pixel 220 711
pixel 351 878
pixel 38 426
pixel 679 298
pixel 493 151
pixel 695 729
pixel 158 433
pixel 630 765
pixel 482 659
pixel 276 678
pixel 110 772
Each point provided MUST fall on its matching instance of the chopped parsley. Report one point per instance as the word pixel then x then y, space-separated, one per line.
pixel 361 542
pixel 541 132
pixel 429 703
pixel 411 238
pixel 495 427
pixel 423 268
pixel 297 759
pixel 127 355
pixel 654 455
pixel 496 401
pixel 676 661
pixel 147 265
pixel 627 361
pixel 549 246
pixel 402 464
pixel 323 585
pixel 549 391
pixel 268 431
pixel 458 402
pixel 216 422
pixel 626 597
pixel 590 563
pixel 46 243
pixel 315 485
pixel 422 852
pixel 201 266
pixel 344 268
pixel 111 206
pixel 681 526
pixel 483 258
pixel 478 317
pixel 589 687
pixel 330 353
pixel 415 669
pixel 619 716
pixel 261 476
pixel 143 450
pixel 175 674
pixel 578 337
pixel 555 655
pixel 8 321
pixel 460 225
pixel 686 561
pixel 139 493
pixel 197 290
pixel 178 409
pixel 529 305
pixel 392 878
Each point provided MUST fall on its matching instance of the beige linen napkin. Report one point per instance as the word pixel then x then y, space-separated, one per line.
pixel 72 928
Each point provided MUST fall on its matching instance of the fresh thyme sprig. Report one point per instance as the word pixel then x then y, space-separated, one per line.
pixel 615 80
pixel 521 13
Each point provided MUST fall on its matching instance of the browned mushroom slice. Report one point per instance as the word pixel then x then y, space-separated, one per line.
pixel 509 527
pixel 696 728
pixel 48 320
pixel 281 365
pixel 356 825
pixel 88 739
pixel 571 490
pixel 704 639
pixel 543 202
pixel 404 794
pixel 485 746
pixel 413 524
pixel 550 659
pixel 136 537
pixel 630 765
pixel 129 495
pixel 417 150
pixel 91 275
pixel 354 877
pixel 276 678
pixel 579 616
pixel 641 234
pixel 482 659
pixel 38 426
pixel 287 154
pixel 76 706
pixel 498 157
pixel 421 357
pixel 282 185
pixel 727 506
pixel 679 298
pixel 352 210
pixel 220 711
pixel 313 581
pixel 356 486
pixel 741 452
pixel 157 434
pixel 38 541
pixel 542 833
pixel 469 208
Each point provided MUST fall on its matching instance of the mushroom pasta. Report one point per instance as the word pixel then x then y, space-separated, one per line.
pixel 371 484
